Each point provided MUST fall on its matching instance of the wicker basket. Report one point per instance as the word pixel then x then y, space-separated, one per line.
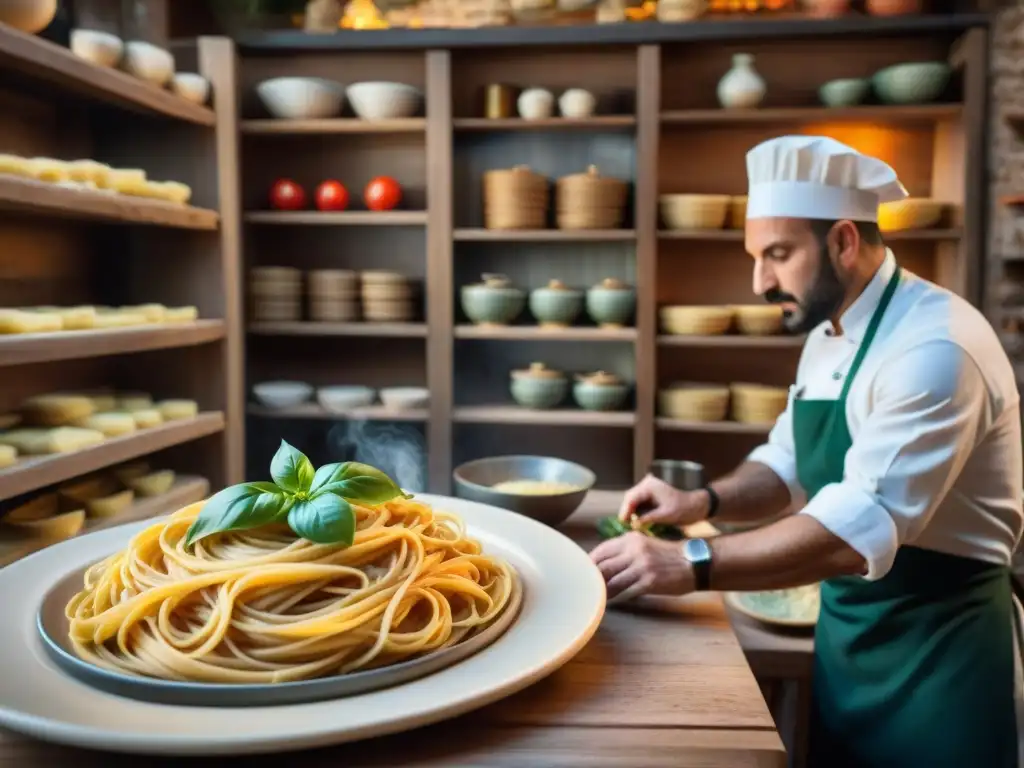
pixel 590 201
pixel 333 284
pixel 515 198
pixel 694 402
pixel 737 218
pixel 758 320
pixel 912 213
pixel 696 320
pixel 694 211
pixel 276 310
pixel 757 403
pixel 327 310
pixel 275 283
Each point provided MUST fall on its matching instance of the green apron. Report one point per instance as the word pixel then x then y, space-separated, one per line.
pixel 916 669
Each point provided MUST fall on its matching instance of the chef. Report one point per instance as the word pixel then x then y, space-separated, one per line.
pixel 900 447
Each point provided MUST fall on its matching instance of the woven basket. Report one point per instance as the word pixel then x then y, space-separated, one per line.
pixel 387 311
pixel 694 211
pixel 276 310
pixel 695 320
pixel 334 310
pixel 757 320
pixel 912 213
pixel 590 201
pixel 694 402
pixel 515 198
pixel 757 403
pixel 737 218
pixel 332 282
pixel 275 283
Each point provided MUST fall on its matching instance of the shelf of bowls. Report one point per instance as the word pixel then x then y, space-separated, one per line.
pixel 295 399
pixel 332 295
pixel 318 98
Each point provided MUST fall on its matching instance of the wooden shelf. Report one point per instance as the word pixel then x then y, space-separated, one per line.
pixel 340 125
pixel 34 472
pixel 22 348
pixel 737 234
pixel 595 123
pixel 1013 201
pixel 314 411
pixel 567 417
pixel 542 235
pixel 723 427
pixel 816 114
pixel 342 218
pixel 31 196
pixel 44 61
pixel 187 489
pixel 537 333
pixel 733 341
pixel 338 329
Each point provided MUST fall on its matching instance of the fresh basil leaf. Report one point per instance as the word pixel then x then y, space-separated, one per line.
pixel 326 519
pixel 356 482
pixel 291 470
pixel 266 487
pixel 236 508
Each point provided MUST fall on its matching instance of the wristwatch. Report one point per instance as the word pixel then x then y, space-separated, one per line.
pixel 697 552
pixel 713 501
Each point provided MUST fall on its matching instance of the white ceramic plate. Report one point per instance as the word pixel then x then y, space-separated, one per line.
pixel 744 602
pixel 563 604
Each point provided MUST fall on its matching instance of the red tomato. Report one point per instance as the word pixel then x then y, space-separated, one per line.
pixel 331 195
pixel 382 194
pixel 286 195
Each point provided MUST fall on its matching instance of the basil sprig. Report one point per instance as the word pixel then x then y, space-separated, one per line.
pixel 315 504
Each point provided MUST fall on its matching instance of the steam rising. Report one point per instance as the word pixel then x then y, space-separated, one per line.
pixel 394 448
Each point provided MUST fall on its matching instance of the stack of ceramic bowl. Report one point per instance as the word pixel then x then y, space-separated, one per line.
pixel 387 297
pixel 276 294
pixel 333 295
pixel 493 301
pixel 556 305
pixel 539 387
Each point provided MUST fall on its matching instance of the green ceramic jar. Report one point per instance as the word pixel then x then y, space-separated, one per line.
pixel 610 303
pixel 599 392
pixel 845 92
pixel 539 387
pixel 494 301
pixel 556 305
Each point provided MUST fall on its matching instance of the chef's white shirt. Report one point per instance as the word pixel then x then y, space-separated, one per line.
pixel 934 414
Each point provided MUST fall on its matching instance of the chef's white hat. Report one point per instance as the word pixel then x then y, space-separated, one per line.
pixel 815 177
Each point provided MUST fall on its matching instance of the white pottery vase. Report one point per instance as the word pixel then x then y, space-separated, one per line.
pixel 741 87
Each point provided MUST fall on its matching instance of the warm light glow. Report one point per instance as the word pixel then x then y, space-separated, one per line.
pixel 875 140
pixel 362 14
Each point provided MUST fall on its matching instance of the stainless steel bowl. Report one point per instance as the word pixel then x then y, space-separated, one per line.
pixel 684 475
pixel 474 481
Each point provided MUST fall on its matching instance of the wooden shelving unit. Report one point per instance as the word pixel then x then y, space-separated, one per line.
pixel 66 247
pixel 672 137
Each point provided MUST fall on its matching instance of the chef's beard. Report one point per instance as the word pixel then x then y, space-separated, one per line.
pixel 823 298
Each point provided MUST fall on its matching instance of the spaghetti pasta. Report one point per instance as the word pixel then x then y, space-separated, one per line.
pixel 265 606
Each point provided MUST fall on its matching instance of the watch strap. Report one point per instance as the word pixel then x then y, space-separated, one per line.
pixel 713 501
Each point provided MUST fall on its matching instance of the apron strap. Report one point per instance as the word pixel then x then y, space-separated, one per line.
pixel 869 334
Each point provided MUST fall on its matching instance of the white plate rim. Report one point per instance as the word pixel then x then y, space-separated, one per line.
pixel 501 529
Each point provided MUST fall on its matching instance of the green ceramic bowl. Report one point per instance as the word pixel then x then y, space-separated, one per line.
pixel 846 92
pixel 915 82
pixel 611 303
pixel 599 397
pixel 556 304
pixel 494 301
pixel 539 387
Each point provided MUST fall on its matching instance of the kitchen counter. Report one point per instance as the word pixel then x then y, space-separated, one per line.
pixel 660 685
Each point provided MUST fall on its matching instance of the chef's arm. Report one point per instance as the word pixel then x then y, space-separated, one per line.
pixel 752 491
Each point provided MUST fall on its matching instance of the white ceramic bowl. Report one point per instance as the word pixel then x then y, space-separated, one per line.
pixel 191 87
pixel 148 62
pixel 383 101
pixel 300 98
pixel 404 398
pixel 344 398
pixel 282 394
pixel 100 48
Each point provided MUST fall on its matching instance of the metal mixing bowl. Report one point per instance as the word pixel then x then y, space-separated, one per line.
pixel 474 481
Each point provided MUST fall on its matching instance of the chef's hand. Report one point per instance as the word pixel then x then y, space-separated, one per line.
pixel 642 565
pixel 655 501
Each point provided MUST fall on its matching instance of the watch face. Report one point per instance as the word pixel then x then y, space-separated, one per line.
pixel 697 550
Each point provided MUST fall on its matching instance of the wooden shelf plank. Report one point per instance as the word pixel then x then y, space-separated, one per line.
pixel 35 472
pixel 22 348
pixel 737 234
pixel 728 427
pixel 537 333
pixel 568 417
pixel 39 197
pixel 42 60
pixel 733 340
pixel 314 411
pixel 872 113
pixel 595 123
pixel 338 329
pixel 341 218
pixel 187 489
pixel 338 125
pixel 542 235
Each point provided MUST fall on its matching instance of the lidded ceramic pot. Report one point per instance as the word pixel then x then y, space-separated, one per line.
pixel 610 303
pixel 741 87
pixel 494 301
pixel 599 391
pixel 539 387
pixel 556 305
pixel 535 103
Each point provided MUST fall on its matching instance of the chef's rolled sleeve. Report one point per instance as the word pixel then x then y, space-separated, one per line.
pixel 779 453
pixel 929 408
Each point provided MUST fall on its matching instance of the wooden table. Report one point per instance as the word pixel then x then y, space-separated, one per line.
pixel 662 687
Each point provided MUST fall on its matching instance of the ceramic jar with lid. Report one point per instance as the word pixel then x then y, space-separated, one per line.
pixel 556 305
pixel 577 103
pixel 539 387
pixel 600 391
pixel 589 200
pixel 741 87
pixel 494 301
pixel 610 303
pixel 535 103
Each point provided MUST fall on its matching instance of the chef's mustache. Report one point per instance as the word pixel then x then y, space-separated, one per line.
pixel 775 296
